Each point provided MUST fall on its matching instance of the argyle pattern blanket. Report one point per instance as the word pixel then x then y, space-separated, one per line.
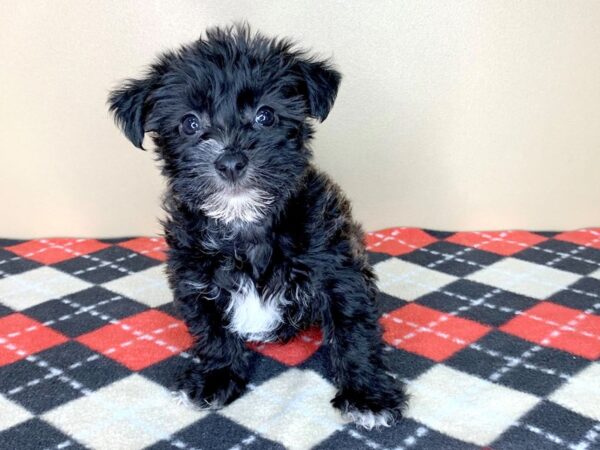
pixel 496 334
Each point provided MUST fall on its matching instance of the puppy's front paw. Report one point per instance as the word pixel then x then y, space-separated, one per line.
pixel 369 408
pixel 209 390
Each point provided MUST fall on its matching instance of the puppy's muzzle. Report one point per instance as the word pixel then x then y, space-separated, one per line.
pixel 231 165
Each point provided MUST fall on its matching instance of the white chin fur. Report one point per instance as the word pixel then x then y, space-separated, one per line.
pixel 369 419
pixel 231 206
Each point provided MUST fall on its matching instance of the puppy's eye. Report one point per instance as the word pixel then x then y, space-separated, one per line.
pixel 265 116
pixel 190 124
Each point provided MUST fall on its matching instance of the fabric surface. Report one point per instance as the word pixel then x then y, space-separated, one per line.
pixel 497 336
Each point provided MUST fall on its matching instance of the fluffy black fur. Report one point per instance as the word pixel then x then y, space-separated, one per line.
pixel 293 237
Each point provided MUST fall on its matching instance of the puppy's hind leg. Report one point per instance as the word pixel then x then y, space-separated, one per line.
pixel 367 393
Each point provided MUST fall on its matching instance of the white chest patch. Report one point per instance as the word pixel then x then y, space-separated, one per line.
pixel 253 317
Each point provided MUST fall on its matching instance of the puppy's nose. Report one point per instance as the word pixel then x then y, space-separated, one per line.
pixel 231 165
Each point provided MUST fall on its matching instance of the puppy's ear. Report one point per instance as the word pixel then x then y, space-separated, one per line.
pixel 322 82
pixel 129 106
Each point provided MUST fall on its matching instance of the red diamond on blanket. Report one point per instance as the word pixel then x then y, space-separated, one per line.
pixel 152 247
pixel 589 237
pixel 22 336
pixel 398 241
pixel 52 251
pixel 504 243
pixel 294 352
pixel 556 326
pixel 428 332
pixel 140 340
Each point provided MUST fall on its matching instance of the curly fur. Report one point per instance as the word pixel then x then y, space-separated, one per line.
pixel 274 251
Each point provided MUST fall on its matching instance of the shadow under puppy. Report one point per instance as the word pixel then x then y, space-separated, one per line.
pixel 262 244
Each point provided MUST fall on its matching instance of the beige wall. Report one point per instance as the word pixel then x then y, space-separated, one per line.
pixel 451 114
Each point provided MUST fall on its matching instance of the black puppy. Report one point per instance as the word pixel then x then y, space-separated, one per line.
pixel 262 244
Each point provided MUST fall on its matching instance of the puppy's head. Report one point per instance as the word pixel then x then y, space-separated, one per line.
pixel 230 115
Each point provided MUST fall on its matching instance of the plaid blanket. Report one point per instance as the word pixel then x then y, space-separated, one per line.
pixel 497 336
